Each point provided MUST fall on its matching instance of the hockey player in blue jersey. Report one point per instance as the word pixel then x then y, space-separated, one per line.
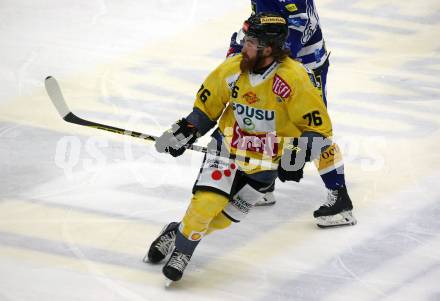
pixel 307 45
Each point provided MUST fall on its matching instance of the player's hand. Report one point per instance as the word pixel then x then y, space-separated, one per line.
pixel 235 46
pixel 175 140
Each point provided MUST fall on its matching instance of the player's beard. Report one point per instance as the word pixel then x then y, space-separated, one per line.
pixel 248 64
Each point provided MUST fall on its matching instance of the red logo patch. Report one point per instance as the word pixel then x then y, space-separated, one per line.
pixel 266 144
pixel 280 87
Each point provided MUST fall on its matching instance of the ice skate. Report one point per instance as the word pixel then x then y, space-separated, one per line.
pixel 174 268
pixel 163 244
pixel 268 199
pixel 168 282
pixel 337 211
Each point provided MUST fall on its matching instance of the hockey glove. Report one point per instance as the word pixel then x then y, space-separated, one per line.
pixel 175 141
pixel 294 175
pixel 293 160
pixel 308 147
pixel 235 46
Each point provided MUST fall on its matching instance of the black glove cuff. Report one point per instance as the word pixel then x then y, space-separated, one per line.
pixel 186 129
pixel 183 131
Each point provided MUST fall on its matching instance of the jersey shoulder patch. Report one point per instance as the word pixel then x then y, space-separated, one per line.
pixel 280 87
pixel 291 7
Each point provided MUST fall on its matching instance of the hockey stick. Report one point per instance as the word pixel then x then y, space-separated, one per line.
pixel 56 96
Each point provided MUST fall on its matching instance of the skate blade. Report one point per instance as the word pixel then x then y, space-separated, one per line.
pixel 264 204
pixel 344 218
pixel 168 282
pixel 145 259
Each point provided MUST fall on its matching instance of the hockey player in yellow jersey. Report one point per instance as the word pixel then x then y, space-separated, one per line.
pixel 266 106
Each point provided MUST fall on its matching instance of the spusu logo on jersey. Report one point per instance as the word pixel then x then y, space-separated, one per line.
pixel 253 119
pixel 280 87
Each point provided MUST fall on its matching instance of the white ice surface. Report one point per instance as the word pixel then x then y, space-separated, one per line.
pixel 78 207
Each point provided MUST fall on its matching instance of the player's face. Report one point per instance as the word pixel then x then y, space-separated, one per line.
pixel 254 55
pixel 250 47
pixel 250 54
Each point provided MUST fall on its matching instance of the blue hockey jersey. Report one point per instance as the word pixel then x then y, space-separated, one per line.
pixel 305 36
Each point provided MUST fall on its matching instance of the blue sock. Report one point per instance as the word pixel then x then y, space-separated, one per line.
pixel 334 179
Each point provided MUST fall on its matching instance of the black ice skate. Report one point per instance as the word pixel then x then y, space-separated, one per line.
pixel 162 245
pixel 174 268
pixel 267 200
pixel 336 211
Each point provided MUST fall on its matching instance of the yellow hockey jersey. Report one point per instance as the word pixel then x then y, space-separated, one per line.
pixel 256 112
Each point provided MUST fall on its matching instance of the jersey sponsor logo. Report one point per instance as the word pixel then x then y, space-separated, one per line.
pixel 220 168
pixel 217 174
pixel 266 144
pixel 250 97
pixel 215 163
pixel 291 7
pixel 253 119
pixel 332 151
pixel 280 87
pixel 240 204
